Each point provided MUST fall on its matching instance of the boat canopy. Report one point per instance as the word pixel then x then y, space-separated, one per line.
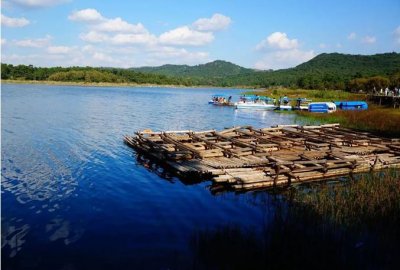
pixel 254 97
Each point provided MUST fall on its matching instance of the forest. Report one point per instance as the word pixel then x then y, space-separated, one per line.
pixel 325 71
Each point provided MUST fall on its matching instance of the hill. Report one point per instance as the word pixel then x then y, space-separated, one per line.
pixel 325 71
pixel 217 69
pixel 332 71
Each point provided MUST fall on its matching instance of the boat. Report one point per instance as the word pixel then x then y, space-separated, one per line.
pixel 351 105
pixel 284 104
pixel 255 102
pixel 221 100
pixel 322 107
pixel 302 104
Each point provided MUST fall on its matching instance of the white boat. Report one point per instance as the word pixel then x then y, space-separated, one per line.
pixel 255 105
pixel 285 107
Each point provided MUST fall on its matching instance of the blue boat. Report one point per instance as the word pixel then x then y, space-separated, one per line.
pixel 351 105
pixel 322 107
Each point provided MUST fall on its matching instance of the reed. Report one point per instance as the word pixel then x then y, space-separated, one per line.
pixel 352 225
pixel 377 120
pixel 372 199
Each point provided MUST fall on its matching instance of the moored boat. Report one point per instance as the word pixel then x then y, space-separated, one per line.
pixel 322 107
pixel 352 105
pixel 255 102
pixel 284 104
pixel 221 100
pixel 302 104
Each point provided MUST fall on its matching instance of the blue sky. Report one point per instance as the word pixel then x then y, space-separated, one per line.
pixel 255 34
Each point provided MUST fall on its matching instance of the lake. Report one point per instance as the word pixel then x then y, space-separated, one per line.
pixel 74 196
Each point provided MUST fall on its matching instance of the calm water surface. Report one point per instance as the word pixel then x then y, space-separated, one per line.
pixel 74 196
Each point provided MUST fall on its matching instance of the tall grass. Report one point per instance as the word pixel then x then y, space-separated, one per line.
pixel 354 225
pixel 372 199
pixel 314 95
pixel 380 121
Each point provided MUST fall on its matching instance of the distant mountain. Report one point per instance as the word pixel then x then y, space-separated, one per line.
pixel 325 71
pixel 216 69
pixel 332 71
pixel 364 65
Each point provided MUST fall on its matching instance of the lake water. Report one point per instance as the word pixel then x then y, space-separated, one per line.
pixel 74 196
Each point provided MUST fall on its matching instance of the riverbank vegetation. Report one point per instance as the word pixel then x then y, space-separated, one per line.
pixel 350 224
pixel 377 120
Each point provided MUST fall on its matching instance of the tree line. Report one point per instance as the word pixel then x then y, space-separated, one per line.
pixel 86 74
pixel 320 73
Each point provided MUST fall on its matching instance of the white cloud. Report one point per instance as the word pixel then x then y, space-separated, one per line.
pixel 103 57
pixel 284 59
pixel 97 22
pixel 13 22
pixel 352 36
pixel 59 49
pixel 177 53
pixel 397 35
pixel 282 52
pixel 94 37
pixel 122 39
pixel 3 41
pixel 39 3
pixel 119 43
pixel 322 45
pixel 186 36
pixel 368 40
pixel 86 15
pixel 119 25
pixel 338 45
pixel 34 43
pixel 215 23
pixel 278 40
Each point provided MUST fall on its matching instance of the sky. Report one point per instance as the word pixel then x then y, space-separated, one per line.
pixel 268 34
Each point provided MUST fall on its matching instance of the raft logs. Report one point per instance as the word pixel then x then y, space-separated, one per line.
pixel 245 158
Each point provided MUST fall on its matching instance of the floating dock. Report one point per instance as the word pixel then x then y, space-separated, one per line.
pixel 245 158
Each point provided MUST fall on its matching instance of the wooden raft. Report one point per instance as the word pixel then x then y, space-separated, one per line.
pixel 244 158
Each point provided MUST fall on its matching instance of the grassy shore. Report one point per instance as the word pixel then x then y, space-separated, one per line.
pixel 378 120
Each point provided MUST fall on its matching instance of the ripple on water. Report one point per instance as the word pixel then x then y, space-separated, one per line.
pixel 66 171
pixel 13 237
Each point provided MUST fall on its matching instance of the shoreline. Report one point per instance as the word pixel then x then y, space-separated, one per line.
pixel 106 84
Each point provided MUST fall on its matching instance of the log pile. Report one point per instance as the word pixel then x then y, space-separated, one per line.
pixel 245 158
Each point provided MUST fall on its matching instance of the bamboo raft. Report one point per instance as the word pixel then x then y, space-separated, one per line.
pixel 244 158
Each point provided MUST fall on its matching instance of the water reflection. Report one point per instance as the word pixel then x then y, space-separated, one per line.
pixel 34 176
pixel 70 185
pixel 61 229
pixel 13 237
